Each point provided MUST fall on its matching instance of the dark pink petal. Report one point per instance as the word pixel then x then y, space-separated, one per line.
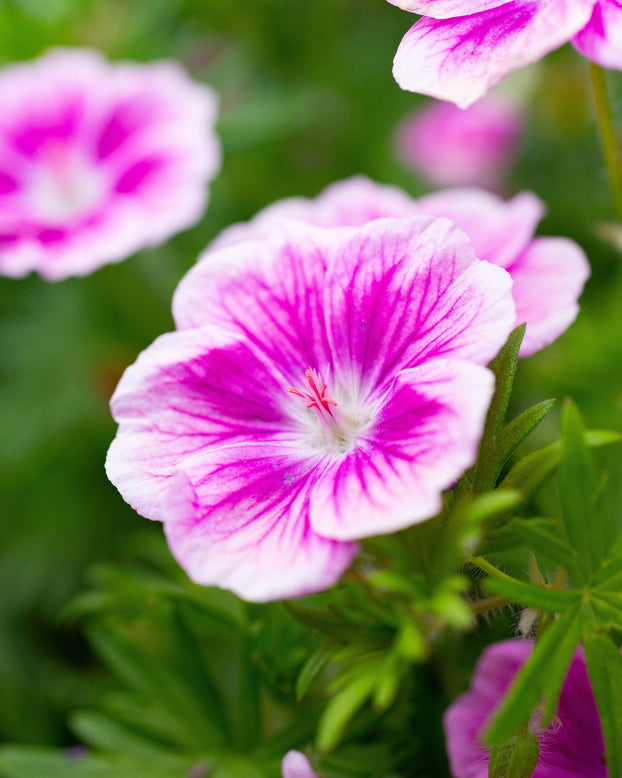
pixel 245 526
pixel 499 230
pixel 548 280
pixel 601 39
pixel 571 747
pixel 424 436
pixel 460 59
pixel 187 392
pixel 445 9
pixel 403 291
pixel 466 717
pixel 8 184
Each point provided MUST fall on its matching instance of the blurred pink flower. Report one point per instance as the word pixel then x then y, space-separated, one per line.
pixel 571 747
pixel 461 48
pixel 296 765
pixel 324 385
pixel 548 273
pixel 98 160
pixel 453 147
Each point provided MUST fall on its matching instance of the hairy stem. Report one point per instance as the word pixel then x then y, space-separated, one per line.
pixel 491 570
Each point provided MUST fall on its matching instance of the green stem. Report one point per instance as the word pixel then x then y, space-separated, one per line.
pixel 488 604
pixel 607 135
pixel 491 570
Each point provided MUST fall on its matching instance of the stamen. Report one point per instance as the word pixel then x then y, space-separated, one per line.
pixel 323 404
pixel 317 397
pixel 339 424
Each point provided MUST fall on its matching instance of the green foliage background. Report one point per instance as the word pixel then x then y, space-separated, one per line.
pixel 307 97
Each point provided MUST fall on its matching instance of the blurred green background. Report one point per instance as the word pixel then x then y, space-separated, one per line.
pixel 307 97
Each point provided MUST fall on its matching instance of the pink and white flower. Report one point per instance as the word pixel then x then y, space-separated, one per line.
pixel 98 160
pixel 461 48
pixel 453 147
pixel 571 747
pixel 548 273
pixel 324 385
pixel 296 765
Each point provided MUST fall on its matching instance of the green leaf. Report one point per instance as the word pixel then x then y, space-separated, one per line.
pixel 537 535
pixel 541 676
pixel 102 733
pixel 314 666
pixel 531 471
pixel 26 762
pixel 531 596
pixel 330 624
pixel 342 707
pixel 493 457
pixel 577 489
pixel 461 530
pixel 504 368
pixel 159 681
pixel 604 665
pixel 515 759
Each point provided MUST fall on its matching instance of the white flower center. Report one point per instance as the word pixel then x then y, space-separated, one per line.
pixel 337 427
pixel 64 186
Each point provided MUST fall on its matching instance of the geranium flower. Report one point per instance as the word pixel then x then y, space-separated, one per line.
pixel 461 48
pixel 323 386
pixel 572 746
pixel 296 765
pixel 98 160
pixel 548 273
pixel 452 147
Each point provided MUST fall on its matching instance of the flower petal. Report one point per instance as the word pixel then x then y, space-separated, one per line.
pixel 601 39
pixel 465 717
pixel 106 158
pixel 188 391
pixel 498 230
pixel 348 203
pixel 245 526
pixel 402 291
pixel 575 748
pixel 424 437
pixel 445 9
pixel 460 59
pixel 548 280
pixel 453 147
pixel 270 293
pixel 296 765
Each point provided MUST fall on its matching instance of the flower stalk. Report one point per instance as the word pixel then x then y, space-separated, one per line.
pixel 607 135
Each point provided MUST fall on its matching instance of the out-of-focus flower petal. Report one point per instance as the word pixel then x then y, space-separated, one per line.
pixel 348 203
pixel 445 9
pixel 571 747
pixel 601 39
pixel 454 147
pixel 460 59
pixel 499 230
pixel 548 279
pixel 98 160
pixel 296 765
